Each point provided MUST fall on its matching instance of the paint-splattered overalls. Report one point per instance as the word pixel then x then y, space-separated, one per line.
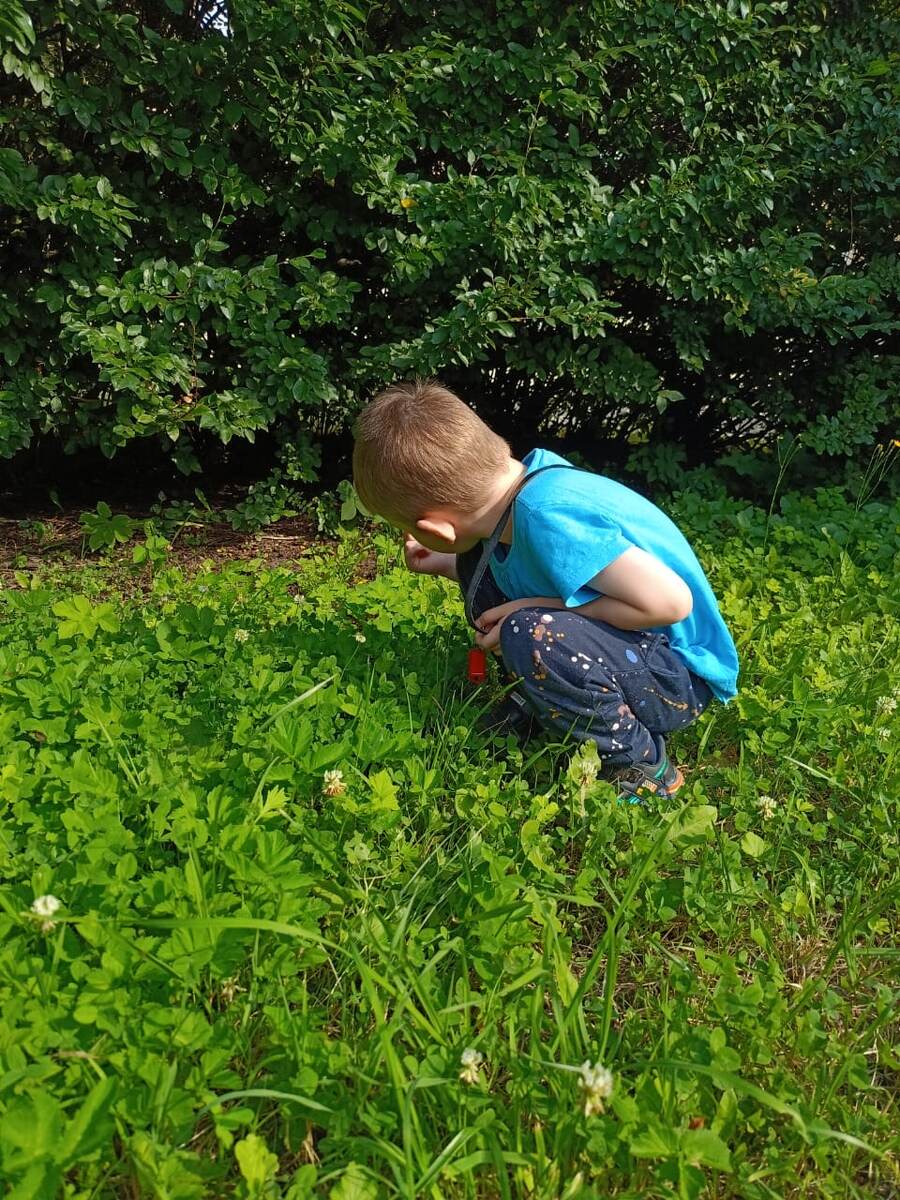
pixel 588 679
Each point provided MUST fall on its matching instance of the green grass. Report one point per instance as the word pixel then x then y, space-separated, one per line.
pixel 256 989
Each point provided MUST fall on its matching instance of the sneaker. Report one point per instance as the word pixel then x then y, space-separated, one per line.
pixel 512 716
pixel 640 781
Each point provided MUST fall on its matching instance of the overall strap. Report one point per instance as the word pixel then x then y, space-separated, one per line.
pixel 492 542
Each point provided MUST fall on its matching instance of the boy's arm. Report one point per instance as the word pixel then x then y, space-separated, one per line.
pixel 639 592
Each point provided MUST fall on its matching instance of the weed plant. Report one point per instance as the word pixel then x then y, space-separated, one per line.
pixel 277 921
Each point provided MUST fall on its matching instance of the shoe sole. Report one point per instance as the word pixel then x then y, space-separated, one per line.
pixel 677 785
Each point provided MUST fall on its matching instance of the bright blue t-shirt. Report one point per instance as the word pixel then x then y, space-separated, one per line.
pixel 569 525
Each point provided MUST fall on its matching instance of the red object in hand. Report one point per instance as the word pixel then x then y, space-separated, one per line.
pixel 477 665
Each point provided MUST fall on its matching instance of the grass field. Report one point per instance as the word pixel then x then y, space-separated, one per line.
pixel 317 937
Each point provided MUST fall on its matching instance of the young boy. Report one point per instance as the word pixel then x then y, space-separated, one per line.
pixel 592 595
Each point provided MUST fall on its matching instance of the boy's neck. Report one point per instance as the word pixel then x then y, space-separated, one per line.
pixel 484 521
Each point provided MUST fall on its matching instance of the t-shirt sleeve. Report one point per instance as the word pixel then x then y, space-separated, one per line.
pixel 570 545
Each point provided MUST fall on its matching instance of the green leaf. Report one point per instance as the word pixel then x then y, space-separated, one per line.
pixel 705 1148
pixel 302 1186
pixel 16 26
pixel 91 1127
pixel 30 1131
pixel 384 792
pixel 77 617
pixel 694 825
pixel 107 618
pixel 354 1184
pixel 752 844
pixel 256 1162
pixel 655 1142
pixel 40 1182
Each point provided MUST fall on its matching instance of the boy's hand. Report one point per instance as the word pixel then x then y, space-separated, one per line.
pixel 423 561
pixel 491 620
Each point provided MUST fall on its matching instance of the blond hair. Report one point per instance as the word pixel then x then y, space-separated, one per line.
pixel 419 447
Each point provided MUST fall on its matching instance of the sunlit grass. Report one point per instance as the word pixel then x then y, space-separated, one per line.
pixel 262 985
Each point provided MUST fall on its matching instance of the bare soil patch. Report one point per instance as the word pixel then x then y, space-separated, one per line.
pixel 36 542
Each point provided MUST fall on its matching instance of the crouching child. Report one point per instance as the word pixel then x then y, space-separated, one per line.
pixel 592 595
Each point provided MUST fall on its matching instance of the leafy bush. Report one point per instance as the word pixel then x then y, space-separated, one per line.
pixel 618 221
pixel 277 922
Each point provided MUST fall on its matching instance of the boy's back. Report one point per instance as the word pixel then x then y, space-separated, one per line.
pixel 569 525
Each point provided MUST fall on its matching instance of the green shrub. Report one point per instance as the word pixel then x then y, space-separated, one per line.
pixel 619 220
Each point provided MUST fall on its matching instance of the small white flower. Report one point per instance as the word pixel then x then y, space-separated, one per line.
pixel 587 773
pixel 229 989
pixel 45 907
pixel 767 807
pixel 241 635
pixel 360 637
pixel 471 1061
pixel 884 734
pixel 887 704
pixel 333 783
pixel 850 255
pixel 596 1086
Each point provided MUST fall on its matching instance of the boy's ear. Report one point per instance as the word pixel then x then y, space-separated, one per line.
pixel 443 529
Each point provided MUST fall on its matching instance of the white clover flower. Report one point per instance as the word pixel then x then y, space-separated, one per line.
pixel 360 637
pixel 229 989
pixel 45 907
pixel 587 770
pixel 887 704
pixel 471 1061
pixel 596 1086
pixel 333 783
pixel 767 807
pixel 241 635
pixel 884 734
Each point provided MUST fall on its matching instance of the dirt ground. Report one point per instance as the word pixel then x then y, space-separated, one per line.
pixel 37 542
